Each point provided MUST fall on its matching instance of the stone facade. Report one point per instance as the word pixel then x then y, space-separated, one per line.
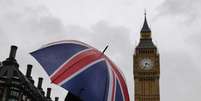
pixel 15 86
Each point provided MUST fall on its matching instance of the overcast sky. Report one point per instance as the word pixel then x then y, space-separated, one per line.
pixel 175 26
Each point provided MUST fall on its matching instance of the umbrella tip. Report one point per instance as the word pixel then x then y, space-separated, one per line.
pixel 105 49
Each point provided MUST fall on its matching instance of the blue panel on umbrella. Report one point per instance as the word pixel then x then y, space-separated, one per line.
pixel 50 62
pixel 92 84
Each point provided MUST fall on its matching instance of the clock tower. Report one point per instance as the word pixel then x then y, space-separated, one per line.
pixel 146 66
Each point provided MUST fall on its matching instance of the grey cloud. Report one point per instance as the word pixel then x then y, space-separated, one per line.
pixel 180 69
pixel 194 34
pixel 180 76
pixel 24 22
pixel 188 9
pixel 47 25
pixel 185 15
pixel 195 44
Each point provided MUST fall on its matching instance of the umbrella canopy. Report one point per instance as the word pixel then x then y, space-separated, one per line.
pixel 82 70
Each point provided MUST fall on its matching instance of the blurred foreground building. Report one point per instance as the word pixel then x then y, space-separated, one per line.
pixel 15 86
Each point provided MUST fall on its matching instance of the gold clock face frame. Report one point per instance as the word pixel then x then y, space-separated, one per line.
pixel 146 64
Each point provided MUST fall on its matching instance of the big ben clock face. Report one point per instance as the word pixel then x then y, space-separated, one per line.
pixel 146 64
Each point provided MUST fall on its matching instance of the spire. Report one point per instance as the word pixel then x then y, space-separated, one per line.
pixel 145 28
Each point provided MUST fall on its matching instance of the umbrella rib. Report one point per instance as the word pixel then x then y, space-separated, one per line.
pixel 104 50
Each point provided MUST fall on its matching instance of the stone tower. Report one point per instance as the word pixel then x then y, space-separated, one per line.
pixel 146 66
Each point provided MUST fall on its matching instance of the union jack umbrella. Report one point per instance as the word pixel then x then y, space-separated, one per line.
pixel 82 70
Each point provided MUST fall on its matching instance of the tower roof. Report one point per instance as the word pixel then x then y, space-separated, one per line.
pixel 146 43
pixel 145 28
pixel 145 39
